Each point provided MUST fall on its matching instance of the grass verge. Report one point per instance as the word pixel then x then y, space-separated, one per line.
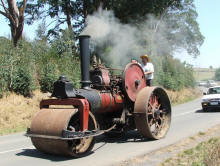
pixel 201 149
pixel 16 111
pixel 204 154
pixel 183 96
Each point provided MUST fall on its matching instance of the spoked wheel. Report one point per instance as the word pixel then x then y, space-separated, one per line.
pixel 51 122
pixel 152 112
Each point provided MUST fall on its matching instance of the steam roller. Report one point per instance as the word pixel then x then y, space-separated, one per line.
pixel 107 103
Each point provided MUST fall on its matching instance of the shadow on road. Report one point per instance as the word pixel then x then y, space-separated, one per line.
pixel 37 154
pixel 131 136
pixel 208 111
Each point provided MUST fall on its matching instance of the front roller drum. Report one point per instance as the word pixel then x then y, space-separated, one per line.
pixel 51 122
pixel 152 112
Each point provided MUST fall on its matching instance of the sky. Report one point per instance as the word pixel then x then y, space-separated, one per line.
pixel 209 23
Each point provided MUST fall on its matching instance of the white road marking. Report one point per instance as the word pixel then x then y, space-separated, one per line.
pixel 13 150
pixel 185 113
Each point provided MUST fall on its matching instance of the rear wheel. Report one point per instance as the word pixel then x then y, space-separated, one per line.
pixel 152 112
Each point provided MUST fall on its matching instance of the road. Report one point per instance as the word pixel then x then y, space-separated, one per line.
pixel 187 120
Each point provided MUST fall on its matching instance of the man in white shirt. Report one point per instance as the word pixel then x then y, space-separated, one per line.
pixel 148 68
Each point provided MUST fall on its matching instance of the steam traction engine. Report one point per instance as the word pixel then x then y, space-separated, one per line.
pixel 106 104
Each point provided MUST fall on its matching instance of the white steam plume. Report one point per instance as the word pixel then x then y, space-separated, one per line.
pixel 119 43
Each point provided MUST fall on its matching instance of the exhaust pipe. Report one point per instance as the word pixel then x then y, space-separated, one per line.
pixel 85 61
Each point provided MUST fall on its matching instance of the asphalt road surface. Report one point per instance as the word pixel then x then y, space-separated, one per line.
pixel 187 120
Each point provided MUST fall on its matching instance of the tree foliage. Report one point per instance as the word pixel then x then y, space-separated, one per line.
pixel 47 77
pixel 61 12
pixel 184 28
pixel 36 64
pixel 172 74
pixel 16 68
pixel 74 13
pixel 182 33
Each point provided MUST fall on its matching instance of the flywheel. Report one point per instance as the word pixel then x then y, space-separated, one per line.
pixel 133 80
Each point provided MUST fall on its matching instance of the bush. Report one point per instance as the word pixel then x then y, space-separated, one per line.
pixel 16 69
pixel 70 67
pixel 61 60
pixel 48 77
pixel 189 79
pixel 172 74
pixel 65 57
pixel 167 81
pixel 3 84
pixel 37 64
pixel 22 82
pixel 3 75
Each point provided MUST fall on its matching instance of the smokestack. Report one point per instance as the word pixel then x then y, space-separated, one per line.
pixel 85 61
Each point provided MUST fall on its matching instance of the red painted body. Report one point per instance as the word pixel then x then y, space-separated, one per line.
pixel 110 103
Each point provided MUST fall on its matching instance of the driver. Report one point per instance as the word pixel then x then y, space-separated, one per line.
pixel 148 68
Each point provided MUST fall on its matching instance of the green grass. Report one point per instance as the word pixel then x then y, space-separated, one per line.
pixel 204 154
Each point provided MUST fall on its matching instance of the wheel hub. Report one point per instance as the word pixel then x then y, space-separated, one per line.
pixel 157 114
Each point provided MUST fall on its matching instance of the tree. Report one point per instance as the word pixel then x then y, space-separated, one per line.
pixel 184 28
pixel 58 10
pixel 41 32
pixel 74 13
pixel 217 74
pixel 176 29
pixel 15 15
pixel 127 10
pixel 180 15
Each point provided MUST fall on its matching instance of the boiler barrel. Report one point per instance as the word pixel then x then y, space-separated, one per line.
pixel 110 103
pixel 101 102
